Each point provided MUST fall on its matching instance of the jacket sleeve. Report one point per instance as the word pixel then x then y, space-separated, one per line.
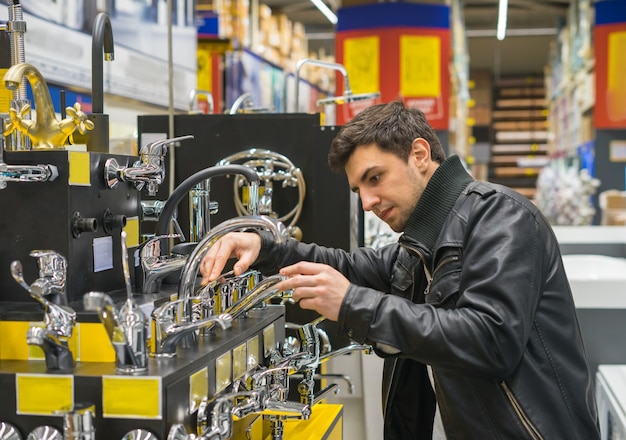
pixel 492 298
pixel 362 267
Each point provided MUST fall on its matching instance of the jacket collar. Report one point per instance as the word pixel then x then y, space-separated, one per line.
pixel 440 195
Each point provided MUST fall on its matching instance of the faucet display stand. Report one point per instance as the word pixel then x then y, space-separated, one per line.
pixel 168 393
pixel 66 215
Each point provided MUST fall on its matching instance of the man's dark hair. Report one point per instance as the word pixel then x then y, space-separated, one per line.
pixel 391 126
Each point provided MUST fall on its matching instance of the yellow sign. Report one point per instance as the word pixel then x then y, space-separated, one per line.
pixel 253 353
pixel 198 388
pixel 144 404
pixel 132 231
pixel 239 361
pixel 79 168
pixel 269 340
pixel 420 66
pixel 223 370
pixel 44 394
pixel 361 60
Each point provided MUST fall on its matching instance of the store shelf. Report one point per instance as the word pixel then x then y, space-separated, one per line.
pixel 520 132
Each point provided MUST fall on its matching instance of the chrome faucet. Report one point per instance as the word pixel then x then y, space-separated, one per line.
pixel 348 96
pixel 59 321
pixel 101 41
pixel 148 171
pixel 26 173
pixel 167 330
pixel 46 131
pixel 240 102
pixel 126 328
pixel 52 276
pixel 194 93
pixel 155 266
pixel 189 275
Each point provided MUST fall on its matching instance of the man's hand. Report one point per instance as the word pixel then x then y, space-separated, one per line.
pixel 316 287
pixel 244 246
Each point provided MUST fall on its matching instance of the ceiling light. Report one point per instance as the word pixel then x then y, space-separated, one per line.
pixel 328 13
pixel 502 10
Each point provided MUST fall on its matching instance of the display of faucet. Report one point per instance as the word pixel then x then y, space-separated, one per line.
pixel 190 182
pixel 78 424
pixel 23 173
pixel 101 41
pixel 52 279
pixel 348 96
pixel 189 275
pixel 148 171
pixel 59 321
pixel 128 328
pixel 155 266
pixel 272 167
pixel 168 330
pixel 9 432
pixel 193 95
pixel 46 132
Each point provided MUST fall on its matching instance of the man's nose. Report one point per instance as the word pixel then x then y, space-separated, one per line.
pixel 368 200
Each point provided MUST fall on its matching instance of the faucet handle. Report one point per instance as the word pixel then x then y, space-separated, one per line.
pixel 51 263
pixel 159 148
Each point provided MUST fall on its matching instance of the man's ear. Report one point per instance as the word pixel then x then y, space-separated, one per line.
pixel 420 152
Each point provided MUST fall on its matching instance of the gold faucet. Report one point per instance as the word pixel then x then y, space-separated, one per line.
pixel 45 132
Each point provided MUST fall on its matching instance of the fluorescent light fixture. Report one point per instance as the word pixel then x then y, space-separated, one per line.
pixel 502 10
pixel 328 13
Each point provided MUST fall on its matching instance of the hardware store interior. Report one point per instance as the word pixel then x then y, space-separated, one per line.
pixel 137 133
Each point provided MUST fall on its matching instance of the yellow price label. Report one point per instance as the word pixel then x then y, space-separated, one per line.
pixel 146 398
pixel 44 394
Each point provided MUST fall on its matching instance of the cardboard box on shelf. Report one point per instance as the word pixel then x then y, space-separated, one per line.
pixel 613 206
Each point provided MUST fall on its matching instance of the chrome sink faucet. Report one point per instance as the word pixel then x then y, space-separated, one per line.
pixel 155 266
pixel 59 321
pixel 127 329
pixel 52 276
pixel 148 171
pixel 168 330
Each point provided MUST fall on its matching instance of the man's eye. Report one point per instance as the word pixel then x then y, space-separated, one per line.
pixel 375 179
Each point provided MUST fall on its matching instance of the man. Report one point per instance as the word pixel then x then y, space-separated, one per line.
pixel 472 302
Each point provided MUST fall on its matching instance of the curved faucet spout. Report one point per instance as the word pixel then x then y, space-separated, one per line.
pixel 189 274
pixel 102 40
pixel 46 131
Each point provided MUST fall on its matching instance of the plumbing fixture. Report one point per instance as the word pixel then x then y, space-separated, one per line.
pixel 327 376
pixel 58 319
pixel 271 167
pixel 139 434
pixel 189 275
pixel 148 171
pixel 194 93
pixel 200 210
pixel 128 329
pixel 24 173
pixel 52 279
pixel 244 104
pixel 348 96
pixel 240 102
pixel 111 221
pixel 9 432
pixel 101 41
pixel 167 330
pixel 83 224
pixel 102 47
pixel 45 432
pixel 78 423
pixel 181 190
pixel 155 266
pixel 46 131
pixel 16 27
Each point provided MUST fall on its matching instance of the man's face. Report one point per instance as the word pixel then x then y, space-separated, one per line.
pixel 387 185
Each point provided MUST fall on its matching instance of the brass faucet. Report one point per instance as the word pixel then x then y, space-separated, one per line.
pixel 46 132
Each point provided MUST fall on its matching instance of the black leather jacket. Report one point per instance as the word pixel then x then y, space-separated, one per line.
pixel 476 289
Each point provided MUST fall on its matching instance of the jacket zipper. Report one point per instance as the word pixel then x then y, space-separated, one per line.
pixel 430 275
pixel 523 418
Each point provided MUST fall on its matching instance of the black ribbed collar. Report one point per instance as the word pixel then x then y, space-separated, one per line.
pixel 440 195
